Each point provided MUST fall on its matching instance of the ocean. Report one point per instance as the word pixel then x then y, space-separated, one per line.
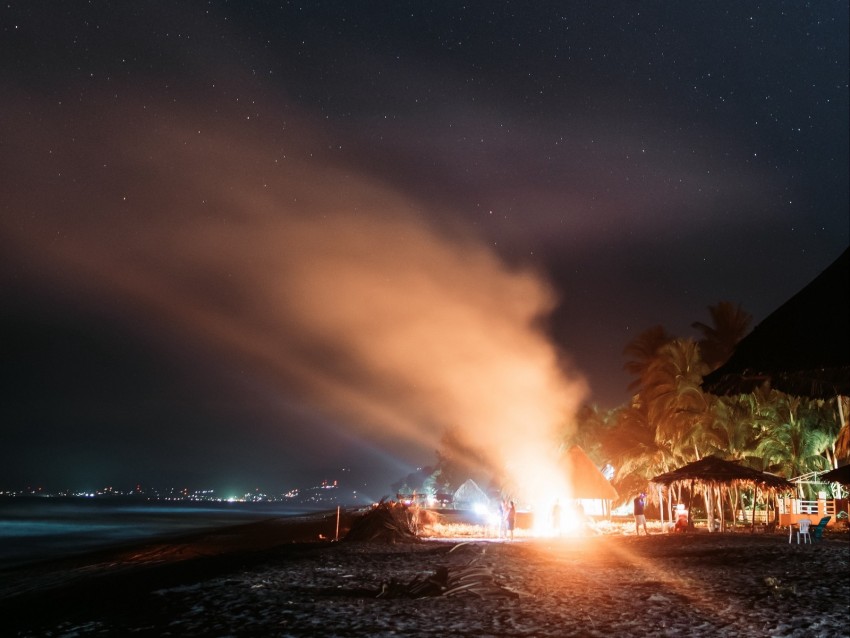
pixel 34 529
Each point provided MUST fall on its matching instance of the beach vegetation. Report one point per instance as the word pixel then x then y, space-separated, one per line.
pixel 671 421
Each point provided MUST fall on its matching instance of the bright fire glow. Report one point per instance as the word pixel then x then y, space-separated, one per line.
pixel 557 514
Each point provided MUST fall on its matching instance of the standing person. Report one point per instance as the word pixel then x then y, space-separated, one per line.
pixel 580 515
pixel 556 517
pixel 503 517
pixel 511 519
pixel 640 519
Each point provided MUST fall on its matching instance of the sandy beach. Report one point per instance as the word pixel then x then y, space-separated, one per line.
pixel 287 577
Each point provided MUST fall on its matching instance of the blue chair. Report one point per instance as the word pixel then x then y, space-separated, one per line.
pixel 817 530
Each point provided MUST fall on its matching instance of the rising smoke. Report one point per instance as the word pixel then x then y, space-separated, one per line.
pixel 356 300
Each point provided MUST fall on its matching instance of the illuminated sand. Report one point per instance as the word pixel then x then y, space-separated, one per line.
pixel 215 584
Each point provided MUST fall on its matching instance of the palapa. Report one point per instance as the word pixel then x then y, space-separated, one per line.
pixel 584 478
pixel 716 472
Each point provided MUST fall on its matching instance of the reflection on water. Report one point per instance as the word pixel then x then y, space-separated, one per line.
pixel 33 529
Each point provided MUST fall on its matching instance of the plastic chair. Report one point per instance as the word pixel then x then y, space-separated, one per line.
pixel 804 531
pixel 817 530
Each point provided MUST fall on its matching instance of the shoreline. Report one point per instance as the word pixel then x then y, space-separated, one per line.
pixel 276 577
pixel 38 528
pixel 198 553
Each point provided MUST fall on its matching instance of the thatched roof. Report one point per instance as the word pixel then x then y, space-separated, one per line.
pixel 584 477
pixel 469 494
pixel 802 348
pixel 717 471
pixel 838 475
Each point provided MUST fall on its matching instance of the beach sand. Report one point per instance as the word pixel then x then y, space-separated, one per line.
pixel 286 577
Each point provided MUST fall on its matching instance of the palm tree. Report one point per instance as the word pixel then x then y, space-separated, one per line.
pixel 738 421
pixel 842 440
pixel 654 433
pixel 676 406
pixel 643 350
pixel 823 415
pixel 589 428
pixel 792 446
pixel 729 324
pixel 630 447
pixel 736 428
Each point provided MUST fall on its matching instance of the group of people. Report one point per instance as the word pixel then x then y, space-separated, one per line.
pixel 507 516
pixel 507 519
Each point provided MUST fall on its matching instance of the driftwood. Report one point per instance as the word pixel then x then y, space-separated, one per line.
pixel 471 580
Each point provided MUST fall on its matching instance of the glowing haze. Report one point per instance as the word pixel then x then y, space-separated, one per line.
pixel 333 286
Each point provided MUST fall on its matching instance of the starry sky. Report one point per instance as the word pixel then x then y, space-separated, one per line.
pixel 255 242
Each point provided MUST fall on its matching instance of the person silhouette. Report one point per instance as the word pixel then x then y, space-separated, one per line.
pixel 556 517
pixel 640 517
pixel 511 519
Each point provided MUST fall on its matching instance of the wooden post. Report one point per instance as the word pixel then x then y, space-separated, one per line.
pixel 755 497
pixel 661 506
pixel 336 536
pixel 720 505
pixel 691 507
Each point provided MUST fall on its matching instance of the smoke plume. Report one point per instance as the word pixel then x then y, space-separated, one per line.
pixel 349 297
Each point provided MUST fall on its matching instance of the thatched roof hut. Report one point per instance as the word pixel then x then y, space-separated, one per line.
pixel 714 472
pixel 468 495
pixel 802 348
pixel 712 469
pixel 585 479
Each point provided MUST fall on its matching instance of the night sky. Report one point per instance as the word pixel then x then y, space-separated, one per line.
pixel 249 243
